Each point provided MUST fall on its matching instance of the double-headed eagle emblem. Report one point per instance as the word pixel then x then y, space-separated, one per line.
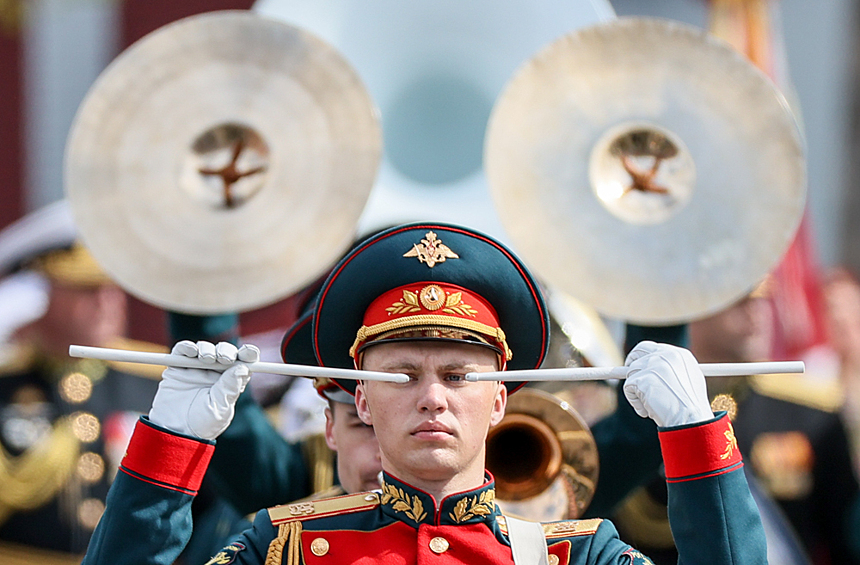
pixel 431 250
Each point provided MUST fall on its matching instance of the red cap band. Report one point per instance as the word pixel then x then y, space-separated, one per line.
pixel 427 305
pixel 700 451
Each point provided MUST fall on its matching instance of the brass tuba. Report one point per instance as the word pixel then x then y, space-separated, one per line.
pixel 542 454
pixel 543 458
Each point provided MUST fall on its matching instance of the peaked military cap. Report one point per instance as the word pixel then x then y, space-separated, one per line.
pixel 296 349
pixel 428 281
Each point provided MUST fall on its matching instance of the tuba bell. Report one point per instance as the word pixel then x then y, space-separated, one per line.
pixel 543 458
pixel 434 69
pixel 542 454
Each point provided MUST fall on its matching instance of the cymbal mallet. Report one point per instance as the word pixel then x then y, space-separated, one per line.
pixel 606 373
pixel 170 360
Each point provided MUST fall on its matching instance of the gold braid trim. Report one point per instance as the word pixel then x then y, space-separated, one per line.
pixel 294 557
pixel 365 332
pixel 289 535
pixel 276 548
pixel 37 475
pixel 321 459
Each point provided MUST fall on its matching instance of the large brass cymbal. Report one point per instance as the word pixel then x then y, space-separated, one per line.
pixel 647 169
pixel 222 162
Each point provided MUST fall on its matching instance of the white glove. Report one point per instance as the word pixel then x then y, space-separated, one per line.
pixel 666 384
pixel 201 402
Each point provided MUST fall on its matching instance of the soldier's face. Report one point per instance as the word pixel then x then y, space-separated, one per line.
pixel 433 428
pixel 358 462
pixel 740 333
pixel 84 315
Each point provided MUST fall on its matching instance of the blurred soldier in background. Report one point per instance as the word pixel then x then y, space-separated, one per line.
pixel 839 362
pixel 64 423
pixel 793 434
pixel 794 440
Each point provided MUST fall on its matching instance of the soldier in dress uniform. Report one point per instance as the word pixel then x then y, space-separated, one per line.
pixel 286 471
pixel 795 442
pixel 64 424
pixel 791 430
pixel 434 302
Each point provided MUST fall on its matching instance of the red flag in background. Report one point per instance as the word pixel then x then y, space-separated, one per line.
pixel 795 285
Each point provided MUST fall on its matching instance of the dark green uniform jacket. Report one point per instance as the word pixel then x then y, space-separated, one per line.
pixel 148 514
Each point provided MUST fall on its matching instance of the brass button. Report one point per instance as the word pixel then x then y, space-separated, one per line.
pixel 553 559
pixel 319 547
pixel 439 545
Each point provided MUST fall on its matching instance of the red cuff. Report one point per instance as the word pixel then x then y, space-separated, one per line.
pixel 700 451
pixel 168 460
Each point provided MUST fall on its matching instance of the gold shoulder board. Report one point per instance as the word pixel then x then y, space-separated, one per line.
pixel 570 528
pixel 323 507
pixel 566 529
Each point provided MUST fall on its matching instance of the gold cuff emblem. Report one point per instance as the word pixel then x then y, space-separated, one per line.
pixel 731 443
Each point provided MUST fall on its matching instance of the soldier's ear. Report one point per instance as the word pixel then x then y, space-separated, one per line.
pixel 361 405
pixel 330 437
pixel 499 403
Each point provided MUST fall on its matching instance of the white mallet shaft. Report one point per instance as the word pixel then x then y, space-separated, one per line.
pixel 606 373
pixel 170 360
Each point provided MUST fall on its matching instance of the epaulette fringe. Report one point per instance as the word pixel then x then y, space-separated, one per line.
pixel 289 536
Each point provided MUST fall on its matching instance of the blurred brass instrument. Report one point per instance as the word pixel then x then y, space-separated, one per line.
pixel 543 458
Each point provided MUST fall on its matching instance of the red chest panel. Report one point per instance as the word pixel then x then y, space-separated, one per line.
pixel 399 544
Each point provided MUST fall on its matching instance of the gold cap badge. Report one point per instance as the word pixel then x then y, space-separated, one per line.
pixel 431 251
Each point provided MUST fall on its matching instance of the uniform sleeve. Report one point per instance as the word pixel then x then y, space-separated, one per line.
pixel 273 471
pixel 251 546
pixel 147 518
pixel 712 513
pixel 601 548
